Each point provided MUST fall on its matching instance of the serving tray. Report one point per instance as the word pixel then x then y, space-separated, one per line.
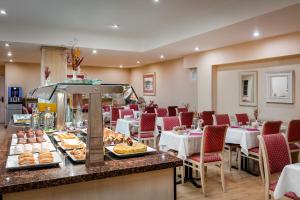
pixel 111 149
pixel 68 152
pixel 12 149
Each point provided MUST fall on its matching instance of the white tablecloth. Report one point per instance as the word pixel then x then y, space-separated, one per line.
pixel 289 181
pixel 185 145
pixel 124 126
pixel 247 139
pixel 106 116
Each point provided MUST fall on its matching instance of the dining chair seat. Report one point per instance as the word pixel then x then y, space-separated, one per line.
pixel 207 158
pixel 254 150
pixel 290 195
pixel 294 146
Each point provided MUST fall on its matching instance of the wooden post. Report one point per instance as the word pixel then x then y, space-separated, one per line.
pixel 95 151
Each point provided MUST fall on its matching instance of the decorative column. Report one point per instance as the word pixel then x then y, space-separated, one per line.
pixel 54 58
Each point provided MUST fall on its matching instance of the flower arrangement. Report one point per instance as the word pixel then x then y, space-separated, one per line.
pixel 255 113
pixel 74 58
pixel 47 73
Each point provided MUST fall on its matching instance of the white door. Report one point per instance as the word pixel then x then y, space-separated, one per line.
pixel 2 104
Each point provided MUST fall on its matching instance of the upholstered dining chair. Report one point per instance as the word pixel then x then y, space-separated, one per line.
pixel 161 112
pixel 211 153
pixel 293 136
pixel 170 122
pixel 242 118
pixel 186 119
pixel 269 128
pixel 207 117
pixel 106 108
pixel 222 119
pixel 172 110
pixel 146 128
pixel 150 109
pixel 115 115
pixel 181 110
pixel 275 155
pixel 134 107
pixel 125 112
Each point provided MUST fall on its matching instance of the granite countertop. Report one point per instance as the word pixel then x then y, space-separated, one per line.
pixel 68 173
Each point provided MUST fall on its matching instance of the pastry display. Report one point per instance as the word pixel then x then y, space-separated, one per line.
pixel 20 134
pixel 72 144
pixel 111 137
pixel 28 148
pixel 36 147
pixel 22 141
pixel 130 147
pixel 19 148
pixel 79 154
pixel 31 140
pixel 45 146
pixel 45 157
pixel 40 139
pixel 30 134
pixel 66 136
pixel 26 159
pixel 39 133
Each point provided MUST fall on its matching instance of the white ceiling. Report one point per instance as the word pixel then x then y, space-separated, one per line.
pixel 171 27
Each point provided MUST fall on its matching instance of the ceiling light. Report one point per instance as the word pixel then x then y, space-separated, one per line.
pixel 156 1
pixel 162 56
pixel 138 62
pixel 121 66
pixel 7 44
pixel 95 51
pixel 115 26
pixel 9 54
pixel 10 60
pixel 256 33
pixel 197 49
pixel 3 12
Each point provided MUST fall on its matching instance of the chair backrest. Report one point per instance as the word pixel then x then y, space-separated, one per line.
pixel 150 109
pixel 186 118
pixel 124 112
pixel 222 119
pixel 115 115
pixel 271 127
pixel 207 117
pixel 293 132
pixel 170 122
pixel 161 112
pixel 147 122
pixel 242 118
pixel 172 110
pixel 213 139
pixel 181 110
pixel 134 107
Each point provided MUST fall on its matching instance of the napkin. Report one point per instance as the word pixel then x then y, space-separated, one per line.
pixel 252 129
pixel 235 127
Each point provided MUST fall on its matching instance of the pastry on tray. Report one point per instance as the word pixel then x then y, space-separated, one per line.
pixel 72 143
pixel 20 134
pixel 28 148
pixel 130 147
pixel 22 141
pixel 39 133
pixel 36 147
pixel 30 134
pixel 45 146
pixel 45 157
pixel 31 140
pixel 26 159
pixel 79 154
pixel 66 136
pixel 40 139
pixel 19 148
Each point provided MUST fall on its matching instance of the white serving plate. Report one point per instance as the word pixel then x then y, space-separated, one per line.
pixel 13 164
pixel 12 149
pixel 57 139
pixel 14 140
pixel 73 158
pixel 111 149
pixel 59 144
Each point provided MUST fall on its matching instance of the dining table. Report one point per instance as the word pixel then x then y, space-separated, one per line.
pixel 289 181
pixel 127 126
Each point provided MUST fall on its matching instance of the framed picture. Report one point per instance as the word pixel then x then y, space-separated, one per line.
pixel 279 87
pixel 248 88
pixel 149 84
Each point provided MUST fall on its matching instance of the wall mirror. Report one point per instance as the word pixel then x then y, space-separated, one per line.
pixel 248 88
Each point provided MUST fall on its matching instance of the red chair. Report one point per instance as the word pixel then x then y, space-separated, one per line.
pixel 186 119
pixel 161 112
pixel 211 153
pixel 106 108
pixel 181 110
pixel 222 119
pixel 146 128
pixel 207 117
pixel 242 119
pixel 149 109
pixel 271 127
pixel 172 110
pixel 170 122
pixel 293 135
pixel 134 107
pixel 125 112
pixel 115 115
pixel 276 155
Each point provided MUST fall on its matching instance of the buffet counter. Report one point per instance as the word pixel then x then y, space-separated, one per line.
pixel 146 177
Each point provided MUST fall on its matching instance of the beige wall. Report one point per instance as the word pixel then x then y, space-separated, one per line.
pixel 228 89
pixel 275 47
pixel 174 84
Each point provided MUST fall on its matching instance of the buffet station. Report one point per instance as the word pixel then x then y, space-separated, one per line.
pixel 62 154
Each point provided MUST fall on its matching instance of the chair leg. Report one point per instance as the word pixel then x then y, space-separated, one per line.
pixel 182 174
pixel 223 177
pixel 202 175
pixel 261 169
pixel 205 173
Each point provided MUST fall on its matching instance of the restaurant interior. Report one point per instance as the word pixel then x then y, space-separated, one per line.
pixel 149 99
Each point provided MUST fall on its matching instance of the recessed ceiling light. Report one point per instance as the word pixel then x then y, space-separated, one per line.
pixel 115 26
pixel 121 66
pixel 9 54
pixel 138 62
pixel 162 56
pixel 197 49
pixel 10 60
pixel 156 1
pixel 256 33
pixel 7 44
pixel 95 51
pixel 3 12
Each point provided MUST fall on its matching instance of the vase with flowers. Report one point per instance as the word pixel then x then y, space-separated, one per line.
pixel 47 73
pixel 75 59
